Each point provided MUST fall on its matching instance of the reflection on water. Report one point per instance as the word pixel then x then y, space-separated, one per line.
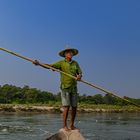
pixel 94 126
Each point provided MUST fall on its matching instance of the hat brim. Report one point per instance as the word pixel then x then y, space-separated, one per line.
pixel 74 51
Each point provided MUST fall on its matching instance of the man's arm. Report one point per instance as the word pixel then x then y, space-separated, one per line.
pixel 56 65
pixel 36 62
pixel 79 73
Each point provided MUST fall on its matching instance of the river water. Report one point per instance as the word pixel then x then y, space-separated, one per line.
pixel 94 126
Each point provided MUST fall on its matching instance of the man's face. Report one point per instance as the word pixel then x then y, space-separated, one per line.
pixel 68 54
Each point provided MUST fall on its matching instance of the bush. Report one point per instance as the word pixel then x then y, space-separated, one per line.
pixel 26 95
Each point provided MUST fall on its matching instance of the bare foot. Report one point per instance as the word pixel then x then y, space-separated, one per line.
pixel 66 128
pixel 73 128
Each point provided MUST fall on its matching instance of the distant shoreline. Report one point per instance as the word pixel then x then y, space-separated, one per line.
pixel 58 109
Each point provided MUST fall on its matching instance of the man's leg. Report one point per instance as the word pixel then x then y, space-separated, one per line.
pixel 66 105
pixel 65 116
pixel 73 115
pixel 73 99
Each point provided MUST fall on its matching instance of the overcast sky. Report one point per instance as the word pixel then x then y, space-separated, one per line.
pixel 106 33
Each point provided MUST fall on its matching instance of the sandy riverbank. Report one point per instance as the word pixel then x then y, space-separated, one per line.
pixel 58 109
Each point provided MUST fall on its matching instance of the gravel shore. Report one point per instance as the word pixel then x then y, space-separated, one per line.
pixel 49 109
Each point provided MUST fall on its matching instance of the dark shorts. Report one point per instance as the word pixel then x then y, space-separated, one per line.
pixel 69 96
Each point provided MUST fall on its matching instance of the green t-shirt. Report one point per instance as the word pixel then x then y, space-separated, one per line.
pixel 72 68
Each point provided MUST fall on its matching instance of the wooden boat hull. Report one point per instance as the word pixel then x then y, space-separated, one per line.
pixel 67 135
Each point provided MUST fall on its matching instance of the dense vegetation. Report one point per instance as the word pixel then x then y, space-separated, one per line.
pixel 10 94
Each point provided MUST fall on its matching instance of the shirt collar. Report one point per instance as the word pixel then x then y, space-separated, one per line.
pixel 69 62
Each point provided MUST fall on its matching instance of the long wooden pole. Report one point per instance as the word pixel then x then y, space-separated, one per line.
pixel 85 82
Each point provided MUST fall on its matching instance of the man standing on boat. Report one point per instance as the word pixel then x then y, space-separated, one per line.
pixel 68 85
